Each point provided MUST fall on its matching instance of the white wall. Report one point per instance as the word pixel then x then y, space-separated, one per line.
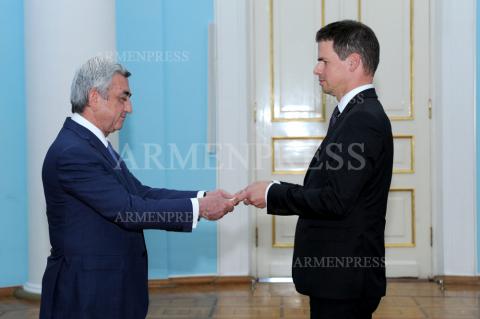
pixel 453 86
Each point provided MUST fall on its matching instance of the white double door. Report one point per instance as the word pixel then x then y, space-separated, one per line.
pixel 292 117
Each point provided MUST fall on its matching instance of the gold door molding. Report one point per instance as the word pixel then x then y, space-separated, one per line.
pixel 411 111
pixel 274 155
pixel 411 169
pixel 322 117
pixel 276 244
pixel 411 243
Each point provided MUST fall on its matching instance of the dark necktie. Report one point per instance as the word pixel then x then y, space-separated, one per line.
pixel 116 158
pixel 119 165
pixel 334 118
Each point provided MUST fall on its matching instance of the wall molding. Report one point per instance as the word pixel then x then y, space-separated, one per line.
pixel 202 280
pixel 7 291
pixel 18 292
pixel 459 280
pixel 235 238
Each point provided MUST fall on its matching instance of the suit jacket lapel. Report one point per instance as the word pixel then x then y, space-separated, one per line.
pixel 357 99
pixel 98 145
pixel 117 166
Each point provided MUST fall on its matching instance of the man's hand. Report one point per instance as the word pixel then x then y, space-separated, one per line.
pixel 254 194
pixel 216 204
pixel 222 193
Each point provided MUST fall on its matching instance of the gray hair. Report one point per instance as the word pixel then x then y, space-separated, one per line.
pixel 96 73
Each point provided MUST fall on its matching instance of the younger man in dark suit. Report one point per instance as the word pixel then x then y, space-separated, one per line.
pixel 339 240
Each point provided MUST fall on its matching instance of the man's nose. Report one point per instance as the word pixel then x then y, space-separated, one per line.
pixel 128 106
pixel 317 69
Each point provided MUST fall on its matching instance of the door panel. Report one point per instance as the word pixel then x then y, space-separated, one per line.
pixel 292 117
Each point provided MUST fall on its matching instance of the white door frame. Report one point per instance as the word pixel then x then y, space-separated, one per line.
pixel 452 90
pixel 453 136
pixel 234 118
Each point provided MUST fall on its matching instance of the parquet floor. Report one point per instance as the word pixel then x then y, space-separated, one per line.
pixel 405 300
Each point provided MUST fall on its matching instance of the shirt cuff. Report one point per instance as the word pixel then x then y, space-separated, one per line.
pixel 266 191
pixel 195 209
pixel 201 194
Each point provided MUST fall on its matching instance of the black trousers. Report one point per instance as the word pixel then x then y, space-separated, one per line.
pixel 343 309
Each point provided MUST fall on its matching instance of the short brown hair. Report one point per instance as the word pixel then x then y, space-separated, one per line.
pixel 349 37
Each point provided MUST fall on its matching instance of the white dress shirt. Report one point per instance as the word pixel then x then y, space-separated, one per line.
pixel 99 134
pixel 341 106
pixel 350 95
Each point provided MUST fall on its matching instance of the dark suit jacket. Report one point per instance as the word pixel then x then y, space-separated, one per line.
pixel 339 240
pixel 97 211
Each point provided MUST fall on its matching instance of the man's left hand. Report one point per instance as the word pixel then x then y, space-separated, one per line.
pixel 254 194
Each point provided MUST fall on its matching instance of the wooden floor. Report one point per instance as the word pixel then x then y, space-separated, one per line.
pixel 404 300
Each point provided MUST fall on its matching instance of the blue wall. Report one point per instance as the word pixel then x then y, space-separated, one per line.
pixel 13 196
pixel 165 45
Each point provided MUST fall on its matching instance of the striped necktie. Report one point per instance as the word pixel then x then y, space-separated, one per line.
pixel 334 118
pixel 114 155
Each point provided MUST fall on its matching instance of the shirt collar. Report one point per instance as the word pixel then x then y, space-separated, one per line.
pixel 350 95
pixel 89 126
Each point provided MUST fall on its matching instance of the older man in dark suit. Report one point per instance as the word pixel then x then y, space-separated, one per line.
pixel 97 209
pixel 339 240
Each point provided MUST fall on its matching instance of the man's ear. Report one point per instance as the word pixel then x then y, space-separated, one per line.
pixel 93 97
pixel 354 61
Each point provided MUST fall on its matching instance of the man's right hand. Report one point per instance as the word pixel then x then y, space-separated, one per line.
pixel 216 204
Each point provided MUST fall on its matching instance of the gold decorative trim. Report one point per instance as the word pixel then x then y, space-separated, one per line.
pixel 412 59
pixel 412 243
pixel 411 170
pixel 323 13
pixel 359 8
pixel 411 111
pixel 322 118
pixel 282 138
pixel 323 95
pixel 272 62
pixel 274 238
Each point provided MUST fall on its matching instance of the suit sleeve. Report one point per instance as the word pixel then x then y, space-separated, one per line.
pixel 86 178
pixel 350 165
pixel 160 193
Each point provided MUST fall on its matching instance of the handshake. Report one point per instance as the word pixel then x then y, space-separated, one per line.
pixel 218 203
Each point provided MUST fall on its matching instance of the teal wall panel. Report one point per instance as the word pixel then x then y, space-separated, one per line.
pixel 13 189
pixel 165 45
